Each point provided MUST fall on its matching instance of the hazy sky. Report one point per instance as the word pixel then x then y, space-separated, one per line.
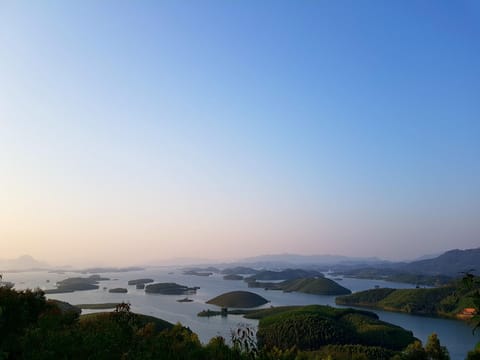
pixel 132 131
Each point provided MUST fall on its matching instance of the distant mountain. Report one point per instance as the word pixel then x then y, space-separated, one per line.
pixel 318 260
pixel 451 263
pixel 24 262
pixel 287 274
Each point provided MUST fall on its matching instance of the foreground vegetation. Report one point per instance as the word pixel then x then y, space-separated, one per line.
pixel 33 328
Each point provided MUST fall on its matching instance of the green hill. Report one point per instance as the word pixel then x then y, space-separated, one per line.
pixel 238 299
pixel 446 301
pixel 319 286
pixel 170 289
pixel 315 326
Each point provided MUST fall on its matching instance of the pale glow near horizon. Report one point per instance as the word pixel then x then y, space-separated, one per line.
pixel 223 132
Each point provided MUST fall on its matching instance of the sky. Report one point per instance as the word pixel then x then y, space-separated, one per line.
pixel 137 131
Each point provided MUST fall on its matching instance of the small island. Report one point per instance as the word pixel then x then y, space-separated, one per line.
pixel 76 284
pixel 118 290
pixel 238 299
pixel 170 289
pixel 197 273
pixel 317 286
pixel 233 277
pixel 239 270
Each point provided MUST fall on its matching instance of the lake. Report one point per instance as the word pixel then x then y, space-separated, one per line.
pixel 455 335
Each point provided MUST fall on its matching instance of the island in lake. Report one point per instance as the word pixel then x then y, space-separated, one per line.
pixel 197 273
pixel 317 286
pixel 118 290
pixel 170 289
pixel 76 284
pixel 233 277
pixel 238 299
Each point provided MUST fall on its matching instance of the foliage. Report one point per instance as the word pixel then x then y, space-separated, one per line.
pixel 442 301
pixel 311 327
pixel 243 340
pixel 434 350
pixel 356 352
pixel 33 328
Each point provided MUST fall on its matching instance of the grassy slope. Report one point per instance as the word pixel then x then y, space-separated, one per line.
pixel 445 301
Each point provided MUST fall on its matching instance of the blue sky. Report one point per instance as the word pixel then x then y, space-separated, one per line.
pixel 226 129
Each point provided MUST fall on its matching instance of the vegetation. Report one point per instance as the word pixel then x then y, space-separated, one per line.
pixel 238 299
pixel 118 290
pixel 170 289
pixel 311 327
pixel 287 274
pixel 233 277
pixel 197 273
pixel 209 313
pixel 97 306
pixel 318 286
pixel 239 270
pixel 76 284
pixel 33 328
pixel 396 275
pixel 446 301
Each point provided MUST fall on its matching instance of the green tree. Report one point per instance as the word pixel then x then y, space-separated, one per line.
pixel 474 354
pixel 414 351
pixel 434 350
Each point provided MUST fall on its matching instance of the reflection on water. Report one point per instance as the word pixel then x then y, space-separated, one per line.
pixel 456 335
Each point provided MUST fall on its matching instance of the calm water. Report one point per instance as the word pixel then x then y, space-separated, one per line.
pixel 456 335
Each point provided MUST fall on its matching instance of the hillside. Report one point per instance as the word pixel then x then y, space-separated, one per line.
pixel 314 326
pixel 446 301
pixel 451 263
pixel 238 299
pixel 432 271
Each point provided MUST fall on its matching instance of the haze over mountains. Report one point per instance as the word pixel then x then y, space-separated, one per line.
pixel 22 263
pixel 450 263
